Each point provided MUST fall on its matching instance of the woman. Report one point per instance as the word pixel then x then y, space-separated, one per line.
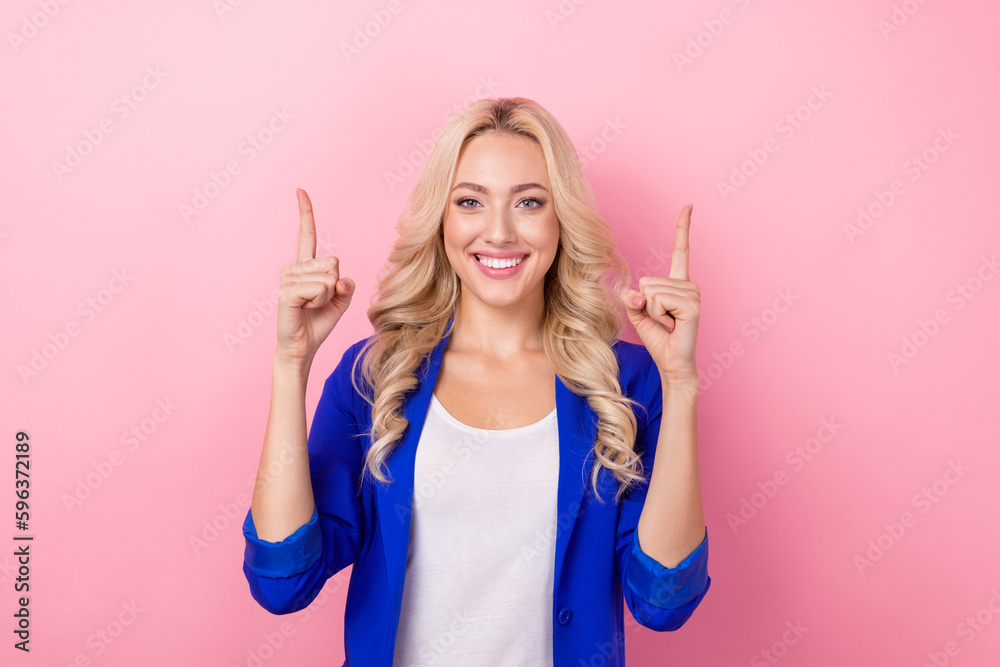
pixel 492 444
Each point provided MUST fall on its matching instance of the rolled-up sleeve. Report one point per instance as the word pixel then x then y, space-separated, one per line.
pixel 665 597
pixel 296 553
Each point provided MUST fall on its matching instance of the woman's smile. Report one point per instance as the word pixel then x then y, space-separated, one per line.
pixel 497 267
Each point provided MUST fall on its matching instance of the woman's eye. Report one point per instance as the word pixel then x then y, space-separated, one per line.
pixel 468 202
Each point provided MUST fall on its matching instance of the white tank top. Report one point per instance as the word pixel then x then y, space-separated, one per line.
pixel 481 563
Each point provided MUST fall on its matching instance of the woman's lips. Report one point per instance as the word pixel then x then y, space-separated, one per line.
pixel 500 273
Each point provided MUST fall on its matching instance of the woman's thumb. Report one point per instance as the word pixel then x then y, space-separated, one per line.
pixel 345 287
pixel 634 301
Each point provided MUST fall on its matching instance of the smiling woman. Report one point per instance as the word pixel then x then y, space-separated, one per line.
pixel 496 322
pixel 500 239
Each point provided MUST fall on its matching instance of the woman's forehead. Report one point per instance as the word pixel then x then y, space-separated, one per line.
pixel 501 160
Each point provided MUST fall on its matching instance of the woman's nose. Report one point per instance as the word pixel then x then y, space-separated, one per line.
pixel 499 227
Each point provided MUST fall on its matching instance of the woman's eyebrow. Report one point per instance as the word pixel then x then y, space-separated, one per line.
pixel 483 189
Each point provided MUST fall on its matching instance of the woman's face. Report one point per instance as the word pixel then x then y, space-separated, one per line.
pixel 500 212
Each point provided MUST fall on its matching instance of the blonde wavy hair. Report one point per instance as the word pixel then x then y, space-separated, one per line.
pixel 418 292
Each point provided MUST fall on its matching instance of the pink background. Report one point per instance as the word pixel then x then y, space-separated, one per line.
pixel 656 133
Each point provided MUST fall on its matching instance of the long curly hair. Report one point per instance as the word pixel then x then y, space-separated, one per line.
pixel 418 292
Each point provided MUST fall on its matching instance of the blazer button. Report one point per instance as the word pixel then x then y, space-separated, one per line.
pixel 564 615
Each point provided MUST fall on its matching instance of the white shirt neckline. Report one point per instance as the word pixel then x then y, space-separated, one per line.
pixel 517 431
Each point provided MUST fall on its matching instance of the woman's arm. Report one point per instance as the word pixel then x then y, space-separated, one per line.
pixel 662 592
pixel 672 523
pixel 665 314
pixel 286 574
pixel 311 301
pixel 283 496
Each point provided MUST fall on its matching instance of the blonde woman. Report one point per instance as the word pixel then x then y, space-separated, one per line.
pixel 485 460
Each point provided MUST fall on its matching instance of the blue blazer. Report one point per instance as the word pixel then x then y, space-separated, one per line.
pixel 597 554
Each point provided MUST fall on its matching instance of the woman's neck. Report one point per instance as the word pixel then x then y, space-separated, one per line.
pixel 497 332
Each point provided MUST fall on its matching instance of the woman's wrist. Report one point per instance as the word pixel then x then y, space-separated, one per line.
pixel 684 384
pixel 291 367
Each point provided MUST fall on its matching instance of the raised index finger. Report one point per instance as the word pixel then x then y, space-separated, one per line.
pixel 679 260
pixel 307 227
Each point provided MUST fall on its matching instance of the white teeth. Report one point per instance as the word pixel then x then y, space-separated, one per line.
pixel 499 263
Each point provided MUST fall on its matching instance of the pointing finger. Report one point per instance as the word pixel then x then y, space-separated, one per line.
pixel 679 260
pixel 307 227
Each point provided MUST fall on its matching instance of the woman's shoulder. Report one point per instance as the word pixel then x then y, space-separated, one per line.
pixel 354 349
pixel 340 377
pixel 631 355
pixel 635 364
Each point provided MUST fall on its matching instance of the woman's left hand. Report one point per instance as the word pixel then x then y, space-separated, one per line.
pixel 665 314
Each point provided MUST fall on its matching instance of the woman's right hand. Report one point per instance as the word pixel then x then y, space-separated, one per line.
pixel 313 296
